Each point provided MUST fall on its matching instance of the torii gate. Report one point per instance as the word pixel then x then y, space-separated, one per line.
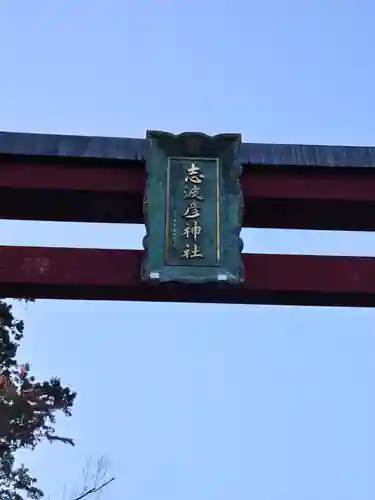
pixel 93 179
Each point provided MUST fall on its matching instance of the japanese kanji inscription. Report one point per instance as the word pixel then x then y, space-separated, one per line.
pixel 193 207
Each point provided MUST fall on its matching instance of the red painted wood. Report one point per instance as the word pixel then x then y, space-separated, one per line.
pixel 72 177
pixel 282 183
pixel 281 198
pixel 114 275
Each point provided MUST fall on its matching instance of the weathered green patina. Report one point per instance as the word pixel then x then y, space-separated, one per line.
pixel 193 208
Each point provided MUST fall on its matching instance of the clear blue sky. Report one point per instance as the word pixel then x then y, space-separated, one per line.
pixel 201 402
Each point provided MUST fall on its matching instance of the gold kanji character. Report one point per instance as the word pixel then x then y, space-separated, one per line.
pixel 192 252
pixel 193 230
pixel 194 174
pixel 192 211
pixel 193 192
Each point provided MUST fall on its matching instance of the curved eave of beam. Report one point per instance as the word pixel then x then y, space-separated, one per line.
pixel 133 149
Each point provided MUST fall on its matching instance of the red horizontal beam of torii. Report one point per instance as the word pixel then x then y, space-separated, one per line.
pixel 70 273
pixel 87 191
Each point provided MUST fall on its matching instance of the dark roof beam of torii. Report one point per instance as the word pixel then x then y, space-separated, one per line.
pixel 285 185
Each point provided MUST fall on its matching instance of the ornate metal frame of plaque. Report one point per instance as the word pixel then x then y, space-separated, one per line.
pixel 193 208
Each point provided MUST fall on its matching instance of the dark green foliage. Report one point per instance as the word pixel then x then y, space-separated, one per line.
pixel 28 411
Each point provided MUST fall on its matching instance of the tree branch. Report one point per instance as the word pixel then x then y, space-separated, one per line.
pixel 58 438
pixel 95 489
